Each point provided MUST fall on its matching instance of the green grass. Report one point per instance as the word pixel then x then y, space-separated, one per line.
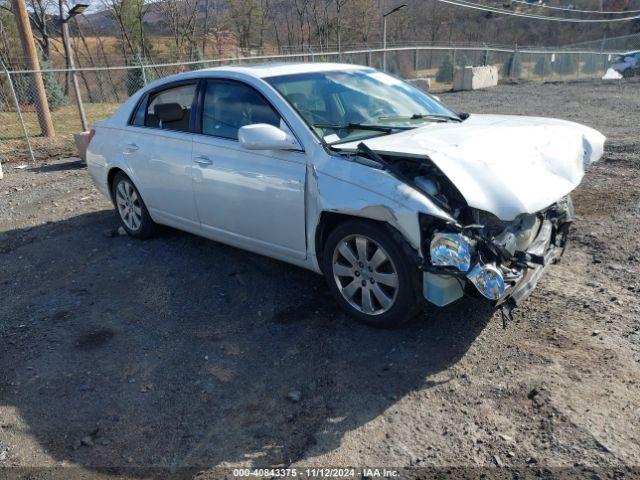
pixel 66 122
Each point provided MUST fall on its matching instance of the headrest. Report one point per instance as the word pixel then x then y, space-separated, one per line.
pixel 169 112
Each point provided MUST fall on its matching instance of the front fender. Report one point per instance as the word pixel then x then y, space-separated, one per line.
pixel 377 196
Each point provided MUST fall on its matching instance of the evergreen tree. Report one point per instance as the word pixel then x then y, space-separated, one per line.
pixel 136 77
pixel 196 56
pixel 55 94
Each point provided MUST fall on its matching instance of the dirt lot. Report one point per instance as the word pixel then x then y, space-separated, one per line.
pixel 180 352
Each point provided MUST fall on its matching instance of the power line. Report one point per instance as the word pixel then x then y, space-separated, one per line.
pixel 475 6
pixel 619 12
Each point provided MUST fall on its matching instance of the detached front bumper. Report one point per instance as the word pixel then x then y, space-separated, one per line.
pixel 505 279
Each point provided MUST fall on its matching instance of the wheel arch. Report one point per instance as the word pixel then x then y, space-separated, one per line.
pixel 111 174
pixel 330 220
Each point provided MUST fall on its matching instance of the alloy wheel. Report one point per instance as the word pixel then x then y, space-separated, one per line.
pixel 128 204
pixel 365 274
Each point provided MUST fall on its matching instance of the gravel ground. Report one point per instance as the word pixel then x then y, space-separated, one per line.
pixel 181 352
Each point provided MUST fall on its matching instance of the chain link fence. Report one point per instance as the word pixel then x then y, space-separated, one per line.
pixel 624 43
pixel 104 89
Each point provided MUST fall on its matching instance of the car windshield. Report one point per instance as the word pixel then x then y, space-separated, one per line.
pixel 350 105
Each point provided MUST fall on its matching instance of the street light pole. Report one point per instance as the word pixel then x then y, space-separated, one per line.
pixel 79 8
pixel 384 34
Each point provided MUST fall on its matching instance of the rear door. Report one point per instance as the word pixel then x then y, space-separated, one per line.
pixel 250 198
pixel 160 153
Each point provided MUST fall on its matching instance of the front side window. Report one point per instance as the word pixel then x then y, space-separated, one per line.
pixel 168 109
pixel 335 103
pixel 230 105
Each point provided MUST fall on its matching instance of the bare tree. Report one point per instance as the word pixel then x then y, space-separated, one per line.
pixel 39 13
pixel 180 16
pixel 128 16
pixel 244 15
pixel 212 24
pixel 339 4
pixel 320 15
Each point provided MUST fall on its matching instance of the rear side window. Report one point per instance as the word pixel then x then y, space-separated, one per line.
pixel 229 106
pixel 138 118
pixel 168 109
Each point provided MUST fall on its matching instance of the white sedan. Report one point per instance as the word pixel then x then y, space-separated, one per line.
pixel 352 173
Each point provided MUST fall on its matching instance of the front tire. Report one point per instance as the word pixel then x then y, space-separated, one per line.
pixel 132 211
pixel 370 275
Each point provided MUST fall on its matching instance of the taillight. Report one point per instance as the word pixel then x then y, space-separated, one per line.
pixel 91 135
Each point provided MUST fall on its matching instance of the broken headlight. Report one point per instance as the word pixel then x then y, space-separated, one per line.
pixel 488 280
pixel 451 250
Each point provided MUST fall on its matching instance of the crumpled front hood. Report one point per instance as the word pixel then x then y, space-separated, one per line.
pixel 506 165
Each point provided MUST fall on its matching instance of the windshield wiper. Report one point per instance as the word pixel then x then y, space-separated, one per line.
pixel 360 126
pixel 419 116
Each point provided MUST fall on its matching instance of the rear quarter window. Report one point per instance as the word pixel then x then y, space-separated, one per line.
pixel 181 95
pixel 138 116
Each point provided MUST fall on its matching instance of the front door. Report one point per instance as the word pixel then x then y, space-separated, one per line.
pixel 250 198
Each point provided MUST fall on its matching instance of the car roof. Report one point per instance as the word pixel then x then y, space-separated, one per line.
pixel 259 71
pixel 265 70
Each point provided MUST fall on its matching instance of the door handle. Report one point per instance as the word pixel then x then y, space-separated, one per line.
pixel 131 147
pixel 203 160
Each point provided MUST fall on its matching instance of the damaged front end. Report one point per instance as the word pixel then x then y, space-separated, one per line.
pixel 478 254
pixel 500 261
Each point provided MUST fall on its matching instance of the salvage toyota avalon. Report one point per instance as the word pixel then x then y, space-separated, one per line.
pixel 352 173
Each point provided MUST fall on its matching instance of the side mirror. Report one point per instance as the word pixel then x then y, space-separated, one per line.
pixel 262 136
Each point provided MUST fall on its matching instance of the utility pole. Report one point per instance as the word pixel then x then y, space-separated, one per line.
pixel 384 35
pixel 79 8
pixel 29 48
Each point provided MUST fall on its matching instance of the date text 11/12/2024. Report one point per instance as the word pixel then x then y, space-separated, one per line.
pixel 316 472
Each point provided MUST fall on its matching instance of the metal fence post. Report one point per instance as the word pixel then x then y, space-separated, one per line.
pixel 144 74
pixel 17 104
pixel 512 63
pixel 453 65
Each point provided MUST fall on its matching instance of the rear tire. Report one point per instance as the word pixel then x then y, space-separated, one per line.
pixel 369 273
pixel 132 212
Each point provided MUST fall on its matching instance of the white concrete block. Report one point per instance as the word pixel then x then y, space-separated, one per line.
pixel 459 75
pixel 475 78
pixel 82 141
